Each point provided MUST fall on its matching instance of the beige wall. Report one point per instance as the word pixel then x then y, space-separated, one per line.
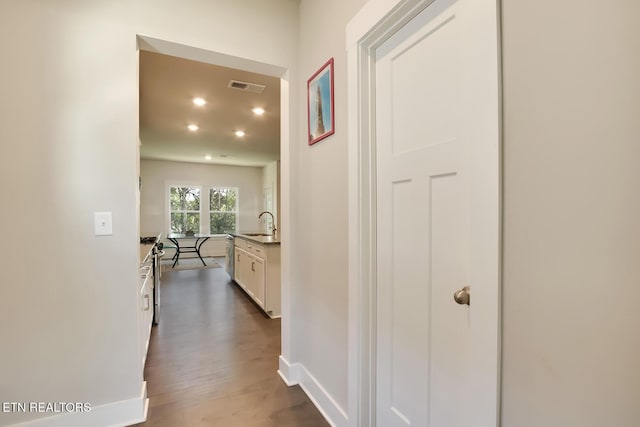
pixel 319 295
pixel 68 147
pixel 571 213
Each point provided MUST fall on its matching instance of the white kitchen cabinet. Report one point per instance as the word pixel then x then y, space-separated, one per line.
pixel 145 314
pixel 242 272
pixel 257 271
pixel 237 267
pixel 258 279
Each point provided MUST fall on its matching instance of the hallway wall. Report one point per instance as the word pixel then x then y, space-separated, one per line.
pixel 319 315
pixel 571 213
pixel 69 111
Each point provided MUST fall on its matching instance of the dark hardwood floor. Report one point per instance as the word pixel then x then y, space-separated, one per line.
pixel 213 359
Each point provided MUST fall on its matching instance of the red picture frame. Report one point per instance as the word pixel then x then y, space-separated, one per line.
pixel 320 110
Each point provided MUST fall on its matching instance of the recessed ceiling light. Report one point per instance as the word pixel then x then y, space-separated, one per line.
pixel 258 111
pixel 207 157
pixel 193 127
pixel 239 133
pixel 199 101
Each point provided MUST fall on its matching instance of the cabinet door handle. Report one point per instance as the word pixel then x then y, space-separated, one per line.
pixel 252 266
pixel 146 302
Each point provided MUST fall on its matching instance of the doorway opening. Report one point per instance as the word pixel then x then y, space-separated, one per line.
pixel 215 215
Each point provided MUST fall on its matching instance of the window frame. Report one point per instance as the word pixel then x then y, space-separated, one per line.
pixel 236 210
pixel 170 211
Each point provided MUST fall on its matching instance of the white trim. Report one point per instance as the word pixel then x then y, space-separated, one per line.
pixel 376 21
pixel 165 47
pixel 296 374
pixel 326 404
pixel 288 373
pixel 122 413
pixel 371 14
pixel 361 374
pixel 288 127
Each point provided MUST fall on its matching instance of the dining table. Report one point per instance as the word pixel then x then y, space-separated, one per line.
pixel 187 243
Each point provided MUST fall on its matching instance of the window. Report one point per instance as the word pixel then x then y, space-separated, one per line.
pixel 185 209
pixel 223 210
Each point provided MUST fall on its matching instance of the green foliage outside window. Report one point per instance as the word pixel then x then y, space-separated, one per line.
pixel 223 210
pixel 185 209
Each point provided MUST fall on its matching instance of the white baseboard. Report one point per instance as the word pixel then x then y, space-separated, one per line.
pixel 122 413
pixel 296 374
pixel 287 372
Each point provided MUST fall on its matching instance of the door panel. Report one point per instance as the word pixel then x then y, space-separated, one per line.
pixel 433 89
pixel 407 335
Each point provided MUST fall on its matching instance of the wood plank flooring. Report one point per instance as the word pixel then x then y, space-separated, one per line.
pixel 213 359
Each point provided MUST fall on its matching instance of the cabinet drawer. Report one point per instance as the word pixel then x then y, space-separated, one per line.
pixel 256 249
pixel 241 243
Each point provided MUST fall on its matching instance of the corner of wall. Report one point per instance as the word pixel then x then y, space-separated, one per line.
pixel 297 374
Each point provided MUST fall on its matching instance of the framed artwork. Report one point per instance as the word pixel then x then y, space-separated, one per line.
pixel 320 114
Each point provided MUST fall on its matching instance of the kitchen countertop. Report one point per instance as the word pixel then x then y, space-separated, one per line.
pixel 145 248
pixel 264 240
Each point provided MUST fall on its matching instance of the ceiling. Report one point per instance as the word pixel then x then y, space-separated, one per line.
pixel 168 86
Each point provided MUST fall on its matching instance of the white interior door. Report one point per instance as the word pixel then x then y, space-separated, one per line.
pixel 437 218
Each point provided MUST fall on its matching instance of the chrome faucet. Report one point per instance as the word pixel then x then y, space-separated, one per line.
pixel 273 221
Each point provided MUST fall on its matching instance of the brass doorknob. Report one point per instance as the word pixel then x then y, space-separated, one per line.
pixel 463 296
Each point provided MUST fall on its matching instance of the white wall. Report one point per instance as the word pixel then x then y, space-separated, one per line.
pixel 571 213
pixel 271 182
pixel 319 246
pixel 68 147
pixel 157 175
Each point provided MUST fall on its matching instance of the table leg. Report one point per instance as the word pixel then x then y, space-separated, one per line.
pixel 198 246
pixel 177 254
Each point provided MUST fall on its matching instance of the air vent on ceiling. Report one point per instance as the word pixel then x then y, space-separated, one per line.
pixel 247 87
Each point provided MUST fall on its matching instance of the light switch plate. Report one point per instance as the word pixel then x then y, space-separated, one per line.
pixel 103 223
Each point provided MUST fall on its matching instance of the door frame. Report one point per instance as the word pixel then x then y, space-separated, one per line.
pixel 288 127
pixel 376 22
